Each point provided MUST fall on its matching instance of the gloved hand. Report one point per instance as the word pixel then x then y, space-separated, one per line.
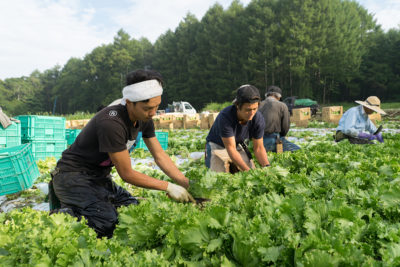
pixel 379 137
pixel 366 136
pixel 178 193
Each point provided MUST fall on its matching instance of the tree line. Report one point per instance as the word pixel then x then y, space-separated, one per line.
pixel 327 50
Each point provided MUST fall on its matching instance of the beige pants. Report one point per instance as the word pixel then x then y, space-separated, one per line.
pixel 218 165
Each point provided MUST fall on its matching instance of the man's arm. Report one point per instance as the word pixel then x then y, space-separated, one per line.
pixel 165 162
pixel 259 152
pixel 285 123
pixel 370 126
pixel 122 162
pixel 230 146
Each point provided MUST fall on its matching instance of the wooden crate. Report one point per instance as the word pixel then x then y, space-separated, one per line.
pixel 204 121
pixel 332 114
pixel 156 121
pixel 211 118
pixel 374 117
pixel 177 121
pixel 191 121
pixel 229 166
pixel 77 124
pixel 166 122
pixel 301 114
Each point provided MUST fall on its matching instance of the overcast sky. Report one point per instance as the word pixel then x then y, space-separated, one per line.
pixel 39 34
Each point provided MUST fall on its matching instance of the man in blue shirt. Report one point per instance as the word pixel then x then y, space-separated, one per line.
pixel 233 125
pixel 356 126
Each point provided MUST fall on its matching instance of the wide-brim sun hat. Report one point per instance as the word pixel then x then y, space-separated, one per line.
pixel 372 103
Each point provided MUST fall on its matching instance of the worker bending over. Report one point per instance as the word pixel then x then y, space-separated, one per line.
pixel 356 126
pixel 82 181
pixel 233 125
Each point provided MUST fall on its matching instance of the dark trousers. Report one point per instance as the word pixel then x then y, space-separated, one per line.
pixel 95 198
pixel 339 136
pixel 269 141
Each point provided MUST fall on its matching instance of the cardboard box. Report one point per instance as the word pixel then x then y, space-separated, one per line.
pixel 301 114
pixel 332 114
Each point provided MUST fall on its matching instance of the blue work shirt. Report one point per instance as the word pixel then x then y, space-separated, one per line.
pixel 355 121
pixel 227 125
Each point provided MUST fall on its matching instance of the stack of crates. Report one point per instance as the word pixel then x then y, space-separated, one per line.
pixel 161 136
pixel 45 133
pixel 10 136
pixel 18 169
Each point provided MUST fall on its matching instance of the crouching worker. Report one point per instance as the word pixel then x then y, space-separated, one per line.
pixel 277 120
pixel 82 180
pixel 356 126
pixel 233 125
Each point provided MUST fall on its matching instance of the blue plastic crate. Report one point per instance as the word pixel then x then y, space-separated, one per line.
pixel 161 136
pixel 18 169
pixel 11 136
pixel 71 134
pixel 42 127
pixel 42 149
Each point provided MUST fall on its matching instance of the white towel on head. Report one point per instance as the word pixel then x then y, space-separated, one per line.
pixel 141 91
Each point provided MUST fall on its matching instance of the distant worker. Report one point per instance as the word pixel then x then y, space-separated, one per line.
pixel 233 126
pixel 356 126
pixel 82 181
pixel 277 120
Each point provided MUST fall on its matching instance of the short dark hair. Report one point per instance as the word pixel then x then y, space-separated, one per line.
pixel 138 76
pixel 247 94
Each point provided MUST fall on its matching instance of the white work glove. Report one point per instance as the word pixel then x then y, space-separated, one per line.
pixel 178 193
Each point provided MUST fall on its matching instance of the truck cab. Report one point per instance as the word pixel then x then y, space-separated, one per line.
pixel 181 107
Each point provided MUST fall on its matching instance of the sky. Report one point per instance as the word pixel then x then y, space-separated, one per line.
pixel 40 34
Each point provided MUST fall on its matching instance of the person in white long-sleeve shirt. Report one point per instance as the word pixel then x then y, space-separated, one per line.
pixel 355 124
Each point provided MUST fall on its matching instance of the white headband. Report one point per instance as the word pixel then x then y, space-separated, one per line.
pixel 141 91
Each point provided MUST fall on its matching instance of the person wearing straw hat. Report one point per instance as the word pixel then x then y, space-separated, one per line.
pixel 356 126
pixel 82 182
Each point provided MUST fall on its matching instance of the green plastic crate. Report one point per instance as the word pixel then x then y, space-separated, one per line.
pixel 71 134
pixel 161 136
pixel 11 136
pixel 42 149
pixel 42 127
pixel 18 169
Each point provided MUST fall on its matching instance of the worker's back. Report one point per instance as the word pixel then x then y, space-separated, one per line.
pixel 276 116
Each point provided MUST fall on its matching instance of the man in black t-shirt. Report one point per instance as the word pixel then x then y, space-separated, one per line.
pixel 233 125
pixel 82 180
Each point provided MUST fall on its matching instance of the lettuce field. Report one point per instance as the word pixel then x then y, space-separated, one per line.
pixel 327 204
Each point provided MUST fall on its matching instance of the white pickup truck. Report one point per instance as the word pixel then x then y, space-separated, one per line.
pixel 180 107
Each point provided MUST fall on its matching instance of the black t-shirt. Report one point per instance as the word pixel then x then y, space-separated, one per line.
pixel 227 125
pixel 110 130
